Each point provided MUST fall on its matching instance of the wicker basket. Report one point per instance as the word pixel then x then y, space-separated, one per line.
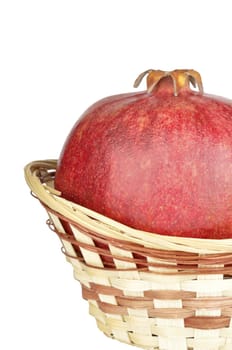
pixel 148 290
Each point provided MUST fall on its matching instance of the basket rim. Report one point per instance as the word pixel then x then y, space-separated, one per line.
pixel 39 176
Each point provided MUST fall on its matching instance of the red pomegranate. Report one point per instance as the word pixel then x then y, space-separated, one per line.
pixel 158 160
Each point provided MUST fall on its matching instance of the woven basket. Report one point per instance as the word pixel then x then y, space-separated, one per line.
pixel 144 289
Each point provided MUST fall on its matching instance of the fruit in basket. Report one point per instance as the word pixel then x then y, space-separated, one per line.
pixel 159 160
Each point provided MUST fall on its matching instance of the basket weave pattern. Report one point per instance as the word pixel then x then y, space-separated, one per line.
pixel 143 289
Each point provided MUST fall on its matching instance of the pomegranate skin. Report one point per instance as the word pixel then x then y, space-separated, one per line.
pixel 154 161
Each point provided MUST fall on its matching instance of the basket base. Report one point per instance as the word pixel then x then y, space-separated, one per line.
pixel 143 333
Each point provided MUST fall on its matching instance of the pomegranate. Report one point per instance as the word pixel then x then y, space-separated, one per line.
pixel 159 160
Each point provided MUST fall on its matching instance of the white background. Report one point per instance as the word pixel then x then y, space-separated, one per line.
pixel 57 58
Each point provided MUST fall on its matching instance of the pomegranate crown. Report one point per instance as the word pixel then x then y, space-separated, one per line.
pixel 181 78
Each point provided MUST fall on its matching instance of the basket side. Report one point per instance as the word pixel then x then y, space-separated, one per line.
pixel 150 308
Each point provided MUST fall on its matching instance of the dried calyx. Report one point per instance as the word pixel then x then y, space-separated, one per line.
pixel 181 78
